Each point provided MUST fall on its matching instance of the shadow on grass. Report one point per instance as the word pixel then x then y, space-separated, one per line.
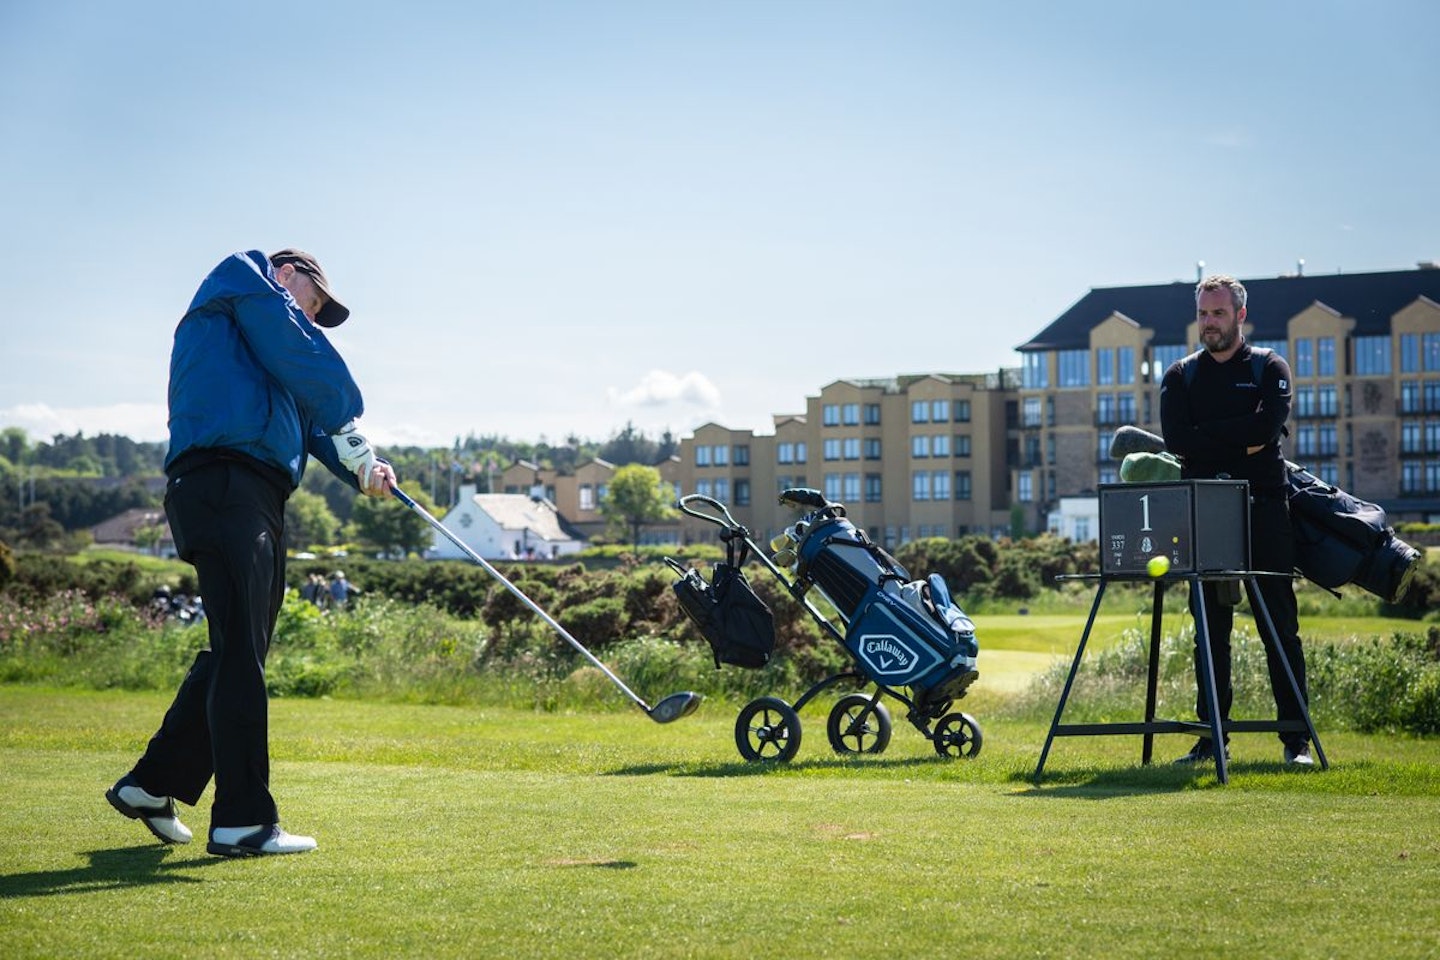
pixel 1091 783
pixel 107 870
pixel 743 768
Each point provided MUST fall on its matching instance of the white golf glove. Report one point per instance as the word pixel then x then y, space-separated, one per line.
pixel 354 452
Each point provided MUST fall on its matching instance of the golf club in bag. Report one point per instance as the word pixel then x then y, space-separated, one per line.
pixel 672 708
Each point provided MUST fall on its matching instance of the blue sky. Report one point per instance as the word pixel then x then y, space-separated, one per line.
pixel 554 218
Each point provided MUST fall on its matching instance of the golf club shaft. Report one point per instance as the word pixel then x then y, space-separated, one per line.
pixel 421 511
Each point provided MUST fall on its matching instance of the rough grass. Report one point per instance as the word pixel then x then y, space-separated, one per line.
pixel 456 832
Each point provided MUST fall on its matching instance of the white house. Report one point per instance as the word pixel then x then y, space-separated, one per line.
pixel 1077 518
pixel 505 526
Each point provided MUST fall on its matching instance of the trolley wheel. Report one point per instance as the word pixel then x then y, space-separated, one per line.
pixel 958 735
pixel 768 731
pixel 856 727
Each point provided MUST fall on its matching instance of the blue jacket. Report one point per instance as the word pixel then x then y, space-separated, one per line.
pixel 249 372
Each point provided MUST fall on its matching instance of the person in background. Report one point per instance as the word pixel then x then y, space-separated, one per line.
pixel 256 389
pixel 1221 423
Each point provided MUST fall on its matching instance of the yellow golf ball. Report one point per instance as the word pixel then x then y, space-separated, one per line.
pixel 1158 566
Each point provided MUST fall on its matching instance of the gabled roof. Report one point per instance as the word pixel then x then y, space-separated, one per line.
pixel 516 511
pixel 1370 299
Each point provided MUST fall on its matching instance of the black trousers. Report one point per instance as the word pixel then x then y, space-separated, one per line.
pixel 228 520
pixel 1272 547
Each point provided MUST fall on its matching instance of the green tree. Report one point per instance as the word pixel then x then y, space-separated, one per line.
pixel 385 524
pixel 636 497
pixel 147 536
pixel 308 521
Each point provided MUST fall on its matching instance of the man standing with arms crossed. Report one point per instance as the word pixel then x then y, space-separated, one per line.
pixel 1221 422
pixel 255 390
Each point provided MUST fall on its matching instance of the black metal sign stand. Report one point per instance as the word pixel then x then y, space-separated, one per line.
pixel 1214 729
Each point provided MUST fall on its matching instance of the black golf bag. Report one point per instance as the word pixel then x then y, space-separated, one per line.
pixel 735 622
pixel 1342 539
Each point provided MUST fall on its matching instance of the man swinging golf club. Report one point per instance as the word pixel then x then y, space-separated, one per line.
pixel 255 389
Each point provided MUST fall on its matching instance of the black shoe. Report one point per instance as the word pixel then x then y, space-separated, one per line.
pixel 1202 752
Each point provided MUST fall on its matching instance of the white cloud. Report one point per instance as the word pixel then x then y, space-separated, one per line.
pixel 660 388
pixel 142 422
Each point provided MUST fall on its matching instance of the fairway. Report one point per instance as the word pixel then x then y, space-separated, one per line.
pixel 455 832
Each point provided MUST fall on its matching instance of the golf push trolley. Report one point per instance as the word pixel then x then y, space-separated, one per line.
pixel 907 638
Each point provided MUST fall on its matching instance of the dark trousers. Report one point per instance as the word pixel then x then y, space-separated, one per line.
pixel 1272 548
pixel 228 520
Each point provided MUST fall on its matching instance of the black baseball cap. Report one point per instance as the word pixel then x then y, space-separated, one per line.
pixel 334 312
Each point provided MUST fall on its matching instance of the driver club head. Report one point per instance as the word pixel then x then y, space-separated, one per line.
pixel 675 706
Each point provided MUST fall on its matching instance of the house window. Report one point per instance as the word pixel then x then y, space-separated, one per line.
pixel 587 497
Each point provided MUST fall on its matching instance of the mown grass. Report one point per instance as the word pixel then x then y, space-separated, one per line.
pixel 449 831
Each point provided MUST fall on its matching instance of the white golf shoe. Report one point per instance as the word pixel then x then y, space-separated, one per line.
pixel 258 841
pixel 157 813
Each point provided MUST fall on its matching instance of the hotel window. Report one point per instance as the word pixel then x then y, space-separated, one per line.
pixel 940 411
pixel 919 411
pixel 742 455
pixel 873 488
pixel 872 448
pixel 940 445
pixel 872 414
pixel 830 415
pixel 920 446
pixel 1035 374
pixel 1372 356
pixel 850 414
pixel 785 453
pixel 962 411
pixel 1105 366
pixel 722 455
pixel 920 485
pixel 1074 368
pixel 1325 356
pixel 1030 415
pixel 1409 353
pixel 722 490
pixel 702 456
pixel 832 487
pixel 1125 356
pixel 851 487
pixel 800 452
pixel 1024 486
pixel 940 484
pixel 830 449
pixel 742 493
pixel 962 484
pixel 851 448
pixel 962 444
pixel 1304 365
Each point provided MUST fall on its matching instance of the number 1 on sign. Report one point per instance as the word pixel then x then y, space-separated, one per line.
pixel 1145 513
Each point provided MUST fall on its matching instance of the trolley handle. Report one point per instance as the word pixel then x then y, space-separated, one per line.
pixel 724 519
